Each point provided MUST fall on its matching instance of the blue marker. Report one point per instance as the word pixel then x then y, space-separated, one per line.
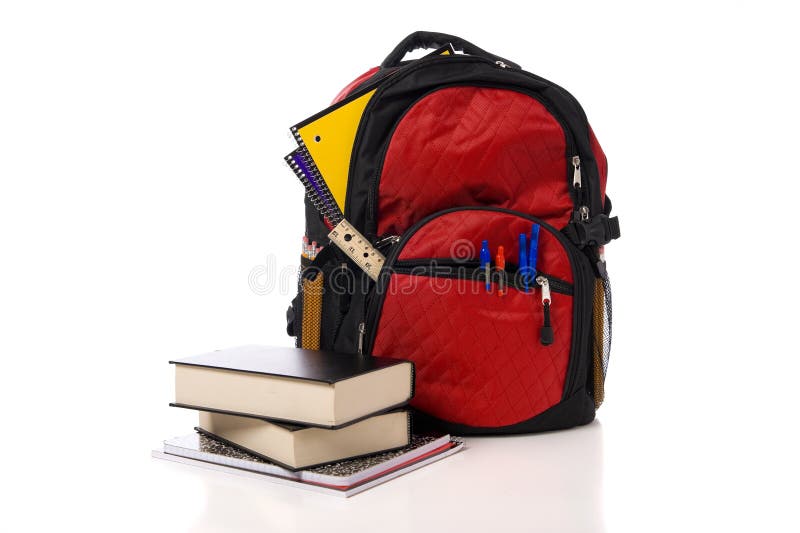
pixel 523 261
pixel 534 251
pixel 486 263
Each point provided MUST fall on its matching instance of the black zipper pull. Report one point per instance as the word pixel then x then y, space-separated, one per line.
pixel 546 333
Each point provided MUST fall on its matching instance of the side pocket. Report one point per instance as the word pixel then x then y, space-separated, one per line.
pixel 326 292
pixel 336 300
pixel 304 317
pixel 601 336
pixel 294 313
pixel 350 335
pixel 313 290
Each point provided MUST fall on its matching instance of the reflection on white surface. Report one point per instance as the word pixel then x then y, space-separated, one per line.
pixel 548 482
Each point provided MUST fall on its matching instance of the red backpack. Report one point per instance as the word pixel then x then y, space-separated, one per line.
pixel 455 156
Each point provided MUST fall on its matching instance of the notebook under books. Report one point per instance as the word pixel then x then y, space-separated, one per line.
pixel 344 478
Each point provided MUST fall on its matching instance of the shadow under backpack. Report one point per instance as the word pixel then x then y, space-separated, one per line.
pixel 452 150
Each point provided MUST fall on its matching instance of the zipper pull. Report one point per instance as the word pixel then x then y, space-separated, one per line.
pixel 500 64
pixel 389 240
pixel 544 283
pixel 362 328
pixel 546 333
pixel 576 173
pixel 583 211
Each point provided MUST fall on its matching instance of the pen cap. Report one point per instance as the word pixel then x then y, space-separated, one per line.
pixel 523 252
pixel 534 247
pixel 486 256
pixel 500 260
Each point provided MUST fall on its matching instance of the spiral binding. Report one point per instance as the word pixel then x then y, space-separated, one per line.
pixel 297 137
pixel 317 190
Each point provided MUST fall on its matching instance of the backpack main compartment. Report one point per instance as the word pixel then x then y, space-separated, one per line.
pixel 451 151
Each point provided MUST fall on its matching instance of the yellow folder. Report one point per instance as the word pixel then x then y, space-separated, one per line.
pixel 329 135
pixel 329 140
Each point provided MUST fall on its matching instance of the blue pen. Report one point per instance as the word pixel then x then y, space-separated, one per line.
pixel 486 262
pixel 523 261
pixel 534 251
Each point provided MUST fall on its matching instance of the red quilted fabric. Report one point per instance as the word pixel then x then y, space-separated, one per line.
pixel 458 235
pixel 478 357
pixel 474 146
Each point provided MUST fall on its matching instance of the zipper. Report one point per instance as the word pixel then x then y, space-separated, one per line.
pixel 362 329
pixel 576 173
pixel 555 86
pixel 579 271
pixel 336 323
pixel 569 97
pixel 381 244
pixel 387 241
pixel 577 184
pixel 470 270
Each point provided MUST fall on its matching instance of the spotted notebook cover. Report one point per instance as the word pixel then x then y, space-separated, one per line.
pixel 208 449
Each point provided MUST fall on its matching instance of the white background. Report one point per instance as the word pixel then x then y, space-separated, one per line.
pixel 141 150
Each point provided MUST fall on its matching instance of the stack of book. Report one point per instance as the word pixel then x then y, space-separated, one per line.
pixel 290 413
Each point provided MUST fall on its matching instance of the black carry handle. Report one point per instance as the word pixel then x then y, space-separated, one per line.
pixel 432 39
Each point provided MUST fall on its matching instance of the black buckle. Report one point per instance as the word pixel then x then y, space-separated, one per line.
pixel 597 231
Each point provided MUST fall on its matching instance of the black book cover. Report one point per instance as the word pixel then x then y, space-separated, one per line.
pixel 311 365
pixel 283 421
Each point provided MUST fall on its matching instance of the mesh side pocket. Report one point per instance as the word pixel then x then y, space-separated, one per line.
pixel 601 330
pixel 312 312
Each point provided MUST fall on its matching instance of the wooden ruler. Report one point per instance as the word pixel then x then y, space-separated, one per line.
pixel 357 248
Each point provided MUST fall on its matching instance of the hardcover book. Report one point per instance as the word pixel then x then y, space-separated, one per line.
pixel 303 387
pixel 296 447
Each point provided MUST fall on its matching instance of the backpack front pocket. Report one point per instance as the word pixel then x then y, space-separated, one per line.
pixel 485 357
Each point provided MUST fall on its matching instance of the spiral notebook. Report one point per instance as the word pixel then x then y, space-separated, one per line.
pixel 328 139
pixel 343 479
pixel 316 188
